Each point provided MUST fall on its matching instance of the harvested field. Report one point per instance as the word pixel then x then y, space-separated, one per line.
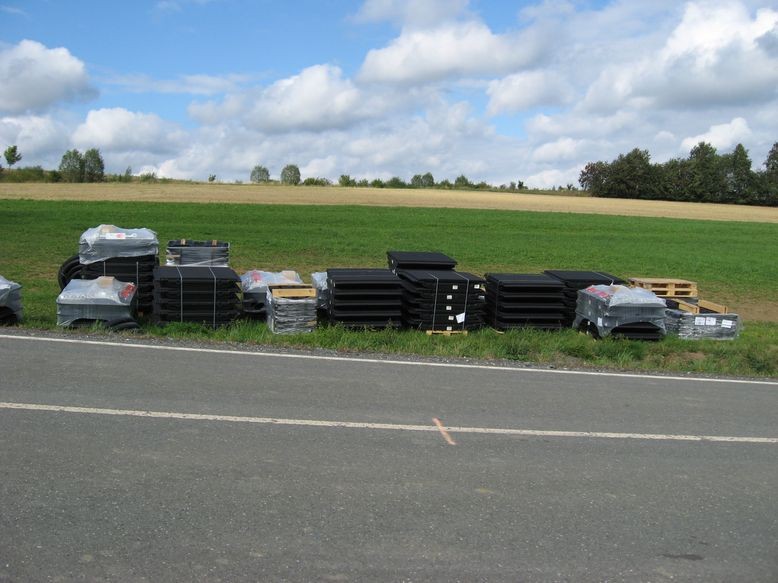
pixel 275 194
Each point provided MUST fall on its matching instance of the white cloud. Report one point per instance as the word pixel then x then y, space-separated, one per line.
pixel 722 136
pixel 558 150
pixel 452 49
pixel 33 78
pixel 411 12
pixel 40 138
pixel 316 99
pixel 522 91
pixel 120 130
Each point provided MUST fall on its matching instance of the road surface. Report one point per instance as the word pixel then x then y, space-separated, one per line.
pixel 165 463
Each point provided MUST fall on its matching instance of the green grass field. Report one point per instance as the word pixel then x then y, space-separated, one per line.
pixel 733 263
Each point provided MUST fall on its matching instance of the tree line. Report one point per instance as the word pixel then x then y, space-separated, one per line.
pixel 74 167
pixel 290 175
pixel 705 176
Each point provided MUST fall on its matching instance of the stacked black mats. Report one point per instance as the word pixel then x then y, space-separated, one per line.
pixel 200 253
pixel 525 300
pixel 370 298
pixel 137 270
pixel 442 300
pixel 206 295
pixel 575 280
pixel 419 260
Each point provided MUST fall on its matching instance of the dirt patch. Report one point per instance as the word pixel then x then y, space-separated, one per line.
pixel 274 194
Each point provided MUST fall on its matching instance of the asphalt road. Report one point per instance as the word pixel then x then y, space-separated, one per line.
pixel 102 492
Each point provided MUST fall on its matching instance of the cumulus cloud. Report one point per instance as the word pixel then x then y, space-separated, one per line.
pixel 452 49
pixel 39 137
pixel 34 77
pixel 715 56
pixel 722 136
pixel 120 130
pixel 522 91
pixel 316 99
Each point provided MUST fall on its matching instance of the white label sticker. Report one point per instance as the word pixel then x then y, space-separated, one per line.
pixel 727 323
pixel 449 297
pixel 450 318
pixel 448 308
pixel 115 236
pixel 698 321
pixel 454 286
pixel 710 321
pixel 599 321
pixel 449 328
pixel 460 318
pixel 477 286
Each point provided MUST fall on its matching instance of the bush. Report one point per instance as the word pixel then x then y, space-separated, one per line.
pixel 290 175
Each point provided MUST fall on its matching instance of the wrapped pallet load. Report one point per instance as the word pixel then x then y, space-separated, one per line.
pixel 103 300
pixel 10 302
pixel 254 284
pixel 620 311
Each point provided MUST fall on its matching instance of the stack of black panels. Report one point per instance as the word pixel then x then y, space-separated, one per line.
pixel 137 270
pixel 200 253
pixel 419 260
pixel 525 300
pixel 575 280
pixel 364 298
pixel 206 295
pixel 442 300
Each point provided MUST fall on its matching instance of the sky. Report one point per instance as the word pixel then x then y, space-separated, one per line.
pixel 497 90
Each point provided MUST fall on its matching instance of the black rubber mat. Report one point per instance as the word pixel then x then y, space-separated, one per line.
pixel 419 260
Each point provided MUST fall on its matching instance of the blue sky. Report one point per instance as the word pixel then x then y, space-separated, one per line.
pixel 498 90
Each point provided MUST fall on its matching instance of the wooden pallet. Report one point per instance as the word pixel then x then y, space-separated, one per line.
pixel 667 288
pixel 702 307
pixel 446 332
pixel 295 292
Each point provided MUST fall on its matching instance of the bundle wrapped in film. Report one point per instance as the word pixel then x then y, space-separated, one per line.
pixel 108 241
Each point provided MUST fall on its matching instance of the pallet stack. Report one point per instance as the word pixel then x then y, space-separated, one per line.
pixel 621 312
pixel 364 298
pixel 138 270
pixel 525 300
pixel 204 295
pixel 106 300
pixel 10 302
pixel 291 309
pixel 666 288
pixel 198 253
pixel 442 300
pixel 419 260
pixel 577 280
pixel 255 284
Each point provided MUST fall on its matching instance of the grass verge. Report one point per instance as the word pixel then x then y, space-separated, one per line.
pixel 734 263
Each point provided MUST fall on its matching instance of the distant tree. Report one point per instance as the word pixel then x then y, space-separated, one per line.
pixel 290 175
pixel 71 167
pixel 740 178
pixel 445 184
pixel 377 183
pixel 520 185
pixel 396 182
pixel 427 180
pixel 94 167
pixel 771 162
pixel 363 183
pixel 346 180
pixel 416 181
pixel 127 174
pixel 462 181
pixel 316 182
pixel 594 177
pixel 12 155
pixel 260 174
pixel 708 183
pixel 212 178
pixel 512 186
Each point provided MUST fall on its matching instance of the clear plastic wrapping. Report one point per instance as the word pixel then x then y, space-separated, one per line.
pixel 108 241
pixel 319 281
pixel 611 306
pixel 11 311
pixel 258 281
pixel 688 326
pixel 290 315
pixel 104 298
pixel 200 253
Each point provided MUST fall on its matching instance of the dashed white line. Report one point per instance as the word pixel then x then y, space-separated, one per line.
pixel 384 426
pixel 387 361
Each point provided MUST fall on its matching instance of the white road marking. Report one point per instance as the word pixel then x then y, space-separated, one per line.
pixel 382 361
pixel 383 426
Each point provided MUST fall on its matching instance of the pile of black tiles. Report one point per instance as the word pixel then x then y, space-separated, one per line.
pixel 371 298
pixel 206 295
pixel 442 300
pixel 201 253
pixel 525 300
pixel 575 280
pixel 138 270
pixel 419 260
